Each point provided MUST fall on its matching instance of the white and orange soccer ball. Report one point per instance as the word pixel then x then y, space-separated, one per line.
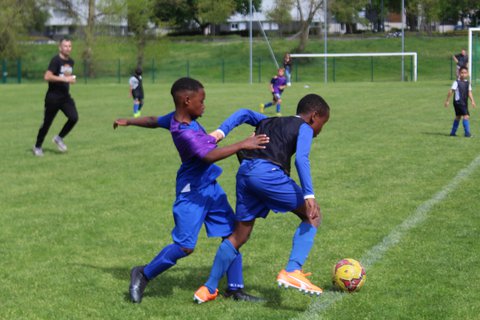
pixel 349 275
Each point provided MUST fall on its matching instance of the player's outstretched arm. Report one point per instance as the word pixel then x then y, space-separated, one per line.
pixel 145 122
pixel 239 117
pixel 252 142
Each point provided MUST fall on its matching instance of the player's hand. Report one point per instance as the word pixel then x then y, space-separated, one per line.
pixel 446 104
pixel 71 79
pixel 218 135
pixel 119 122
pixel 314 213
pixel 255 142
pixel 474 105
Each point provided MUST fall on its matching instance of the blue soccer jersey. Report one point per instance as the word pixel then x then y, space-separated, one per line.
pixel 200 199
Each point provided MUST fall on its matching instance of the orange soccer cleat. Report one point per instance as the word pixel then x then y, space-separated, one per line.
pixel 298 280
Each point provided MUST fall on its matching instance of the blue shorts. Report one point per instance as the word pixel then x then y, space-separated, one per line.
pixel 263 186
pixel 207 206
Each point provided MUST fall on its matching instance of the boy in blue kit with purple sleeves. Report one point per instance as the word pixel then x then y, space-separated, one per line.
pixel 277 85
pixel 199 198
pixel 264 184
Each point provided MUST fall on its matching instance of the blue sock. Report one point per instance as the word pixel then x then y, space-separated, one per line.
pixel 268 104
pixel 235 274
pixel 302 243
pixel 454 127
pixel 466 126
pixel 278 107
pixel 166 259
pixel 135 107
pixel 226 254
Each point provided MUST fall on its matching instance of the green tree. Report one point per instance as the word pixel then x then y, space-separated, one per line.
pixel 190 14
pixel 281 13
pixel 347 12
pixel 140 15
pixel 17 17
pixel 307 9
pixel 212 12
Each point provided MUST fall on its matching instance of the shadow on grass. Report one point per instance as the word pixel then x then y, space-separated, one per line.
pixel 191 278
pixel 442 134
pixel 48 151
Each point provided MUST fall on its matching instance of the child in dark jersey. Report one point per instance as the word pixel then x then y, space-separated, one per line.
pixel 264 184
pixel 136 91
pixel 462 91
pixel 199 198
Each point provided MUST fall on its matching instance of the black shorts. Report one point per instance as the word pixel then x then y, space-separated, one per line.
pixel 460 109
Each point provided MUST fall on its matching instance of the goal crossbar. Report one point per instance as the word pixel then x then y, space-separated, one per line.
pixel 371 54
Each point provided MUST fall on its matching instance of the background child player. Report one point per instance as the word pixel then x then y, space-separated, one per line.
pixel 199 198
pixel 264 184
pixel 462 90
pixel 136 91
pixel 287 64
pixel 277 85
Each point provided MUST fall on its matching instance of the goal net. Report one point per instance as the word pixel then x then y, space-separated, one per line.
pixel 412 56
pixel 474 54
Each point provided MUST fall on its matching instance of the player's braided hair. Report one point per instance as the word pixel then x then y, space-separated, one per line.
pixel 313 103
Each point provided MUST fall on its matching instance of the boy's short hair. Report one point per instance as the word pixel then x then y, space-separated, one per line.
pixel 138 71
pixel 64 38
pixel 185 84
pixel 462 67
pixel 313 103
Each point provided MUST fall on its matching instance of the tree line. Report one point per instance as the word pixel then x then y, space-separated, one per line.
pixel 18 18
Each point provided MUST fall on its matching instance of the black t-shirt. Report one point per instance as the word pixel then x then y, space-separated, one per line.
pixel 462 60
pixel 60 67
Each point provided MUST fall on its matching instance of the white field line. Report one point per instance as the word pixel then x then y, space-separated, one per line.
pixel 376 253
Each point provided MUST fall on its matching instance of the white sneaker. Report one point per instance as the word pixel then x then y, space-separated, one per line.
pixel 37 152
pixel 60 144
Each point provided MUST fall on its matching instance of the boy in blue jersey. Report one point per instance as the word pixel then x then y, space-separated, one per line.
pixel 199 198
pixel 136 91
pixel 264 184
pixel 277 85
pixel 462 90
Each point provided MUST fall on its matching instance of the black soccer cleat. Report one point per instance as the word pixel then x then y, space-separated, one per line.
pixel 240 295
pixel 138 282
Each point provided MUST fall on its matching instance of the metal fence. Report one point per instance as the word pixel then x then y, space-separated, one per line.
pixel 236 71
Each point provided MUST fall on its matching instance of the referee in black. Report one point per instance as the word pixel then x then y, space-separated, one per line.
pixel 59 76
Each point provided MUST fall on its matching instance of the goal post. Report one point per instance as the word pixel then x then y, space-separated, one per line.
pixel 367 54
pixel 474 54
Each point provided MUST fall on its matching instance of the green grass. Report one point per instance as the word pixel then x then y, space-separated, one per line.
pixel 72 225
pixel 226 59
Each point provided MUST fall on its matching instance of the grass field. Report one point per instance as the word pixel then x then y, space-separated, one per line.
pixel 226 59
pixel 397 193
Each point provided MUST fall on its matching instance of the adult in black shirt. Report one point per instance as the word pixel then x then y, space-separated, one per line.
pixel 461 60
pixel 59 76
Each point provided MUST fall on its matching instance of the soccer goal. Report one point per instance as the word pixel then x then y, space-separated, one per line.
pixel 413 55
pixel 474 54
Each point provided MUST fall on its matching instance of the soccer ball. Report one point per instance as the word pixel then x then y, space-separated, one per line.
pixel 349 275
